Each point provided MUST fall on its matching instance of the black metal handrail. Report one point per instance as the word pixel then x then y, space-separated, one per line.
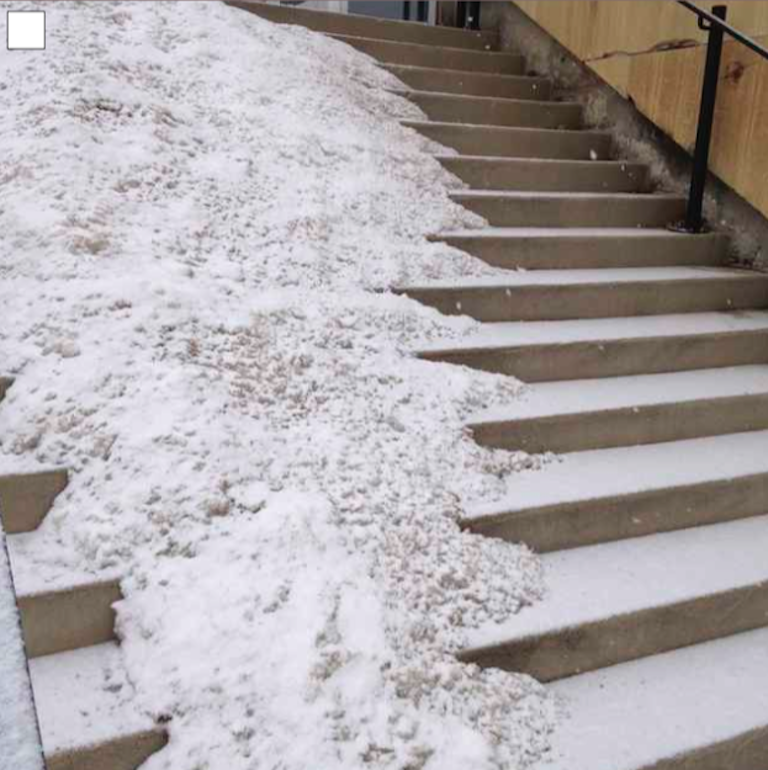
pixel 713 22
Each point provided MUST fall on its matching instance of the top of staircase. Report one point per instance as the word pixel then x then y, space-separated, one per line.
pixel 367 26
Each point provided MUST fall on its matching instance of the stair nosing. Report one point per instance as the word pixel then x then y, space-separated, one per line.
pixel 672 338
pixel 500 512
pixel 474 73
pixel 504 159
pixel 481 195
pixel 472 98
pixel 477 421
pixel 427 46
pixel 595 133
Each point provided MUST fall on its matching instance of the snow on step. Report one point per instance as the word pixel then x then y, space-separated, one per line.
pixel 648 233
pixel 19 742
pixel 517 195
pixel 589 585
pixel 604 473
pixel 632 716
pixel 527 333
pixel 84 698
pixel 575 396
pixel 594 276
pixel 419 55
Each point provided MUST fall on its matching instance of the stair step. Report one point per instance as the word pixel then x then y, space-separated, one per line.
pixel 415 55
pixel 516 142
pixel 472 83
pixel 625 411
pixel 569 248
pixel 367 26
pixel 25 498
pixel 547 209
pixel 613 494
pixel 88 717
pixel 609 604
pixel 66 618
pixel 547 175
pixel 5 384
pixel 548 351
pixel 484 110
pixel 552 295
pixel 703 707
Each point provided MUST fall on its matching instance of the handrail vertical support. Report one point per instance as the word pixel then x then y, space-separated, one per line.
pixel 693 216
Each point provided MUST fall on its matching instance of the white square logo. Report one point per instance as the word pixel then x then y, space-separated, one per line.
pixel 26 30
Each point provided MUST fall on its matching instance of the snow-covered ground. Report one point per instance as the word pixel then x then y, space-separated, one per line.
pixel 19 739
pixel 202 213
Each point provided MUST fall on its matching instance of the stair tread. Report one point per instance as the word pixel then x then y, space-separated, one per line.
pixel 544 195
pixel 512 278
pixel 445 71
pixel 569 397
pixel 629 716
pixel 504 334
pixel 539 161
pixel 33 576
pixel 600 473
pixel 427 46
pixel 30 585
pixel 503 129
pixel 83 698
pixel 649 233
pixel 537 103
pixel 598 582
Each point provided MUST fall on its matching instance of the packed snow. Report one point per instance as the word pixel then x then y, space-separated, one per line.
pixel 203 214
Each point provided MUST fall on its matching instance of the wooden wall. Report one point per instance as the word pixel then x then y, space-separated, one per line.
pixel 636 48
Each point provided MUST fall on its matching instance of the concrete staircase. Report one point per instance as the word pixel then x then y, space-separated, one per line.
pixel 650 362
pixel 84 702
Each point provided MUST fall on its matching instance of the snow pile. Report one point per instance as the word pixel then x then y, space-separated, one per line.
pixel 202 214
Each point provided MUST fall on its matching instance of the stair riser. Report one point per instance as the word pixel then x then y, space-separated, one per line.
pixel 26 498
pixel 537 212
pixel 603 520
pixel 614 358
pixel 628 426
pixel 498 112
pixel 628 637
pixel 473 84
pixel 517 142
pixel 366 26
pixel 67 620
pixel 566 253
pixel 548 176
pixel 128 752
pixel 573 301
pixel 443 58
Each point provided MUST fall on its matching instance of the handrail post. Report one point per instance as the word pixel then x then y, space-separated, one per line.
pixel 693 216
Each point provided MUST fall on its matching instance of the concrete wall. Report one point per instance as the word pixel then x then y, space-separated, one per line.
pixel 653 53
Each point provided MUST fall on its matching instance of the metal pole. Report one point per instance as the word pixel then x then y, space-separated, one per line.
pixel 693 216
